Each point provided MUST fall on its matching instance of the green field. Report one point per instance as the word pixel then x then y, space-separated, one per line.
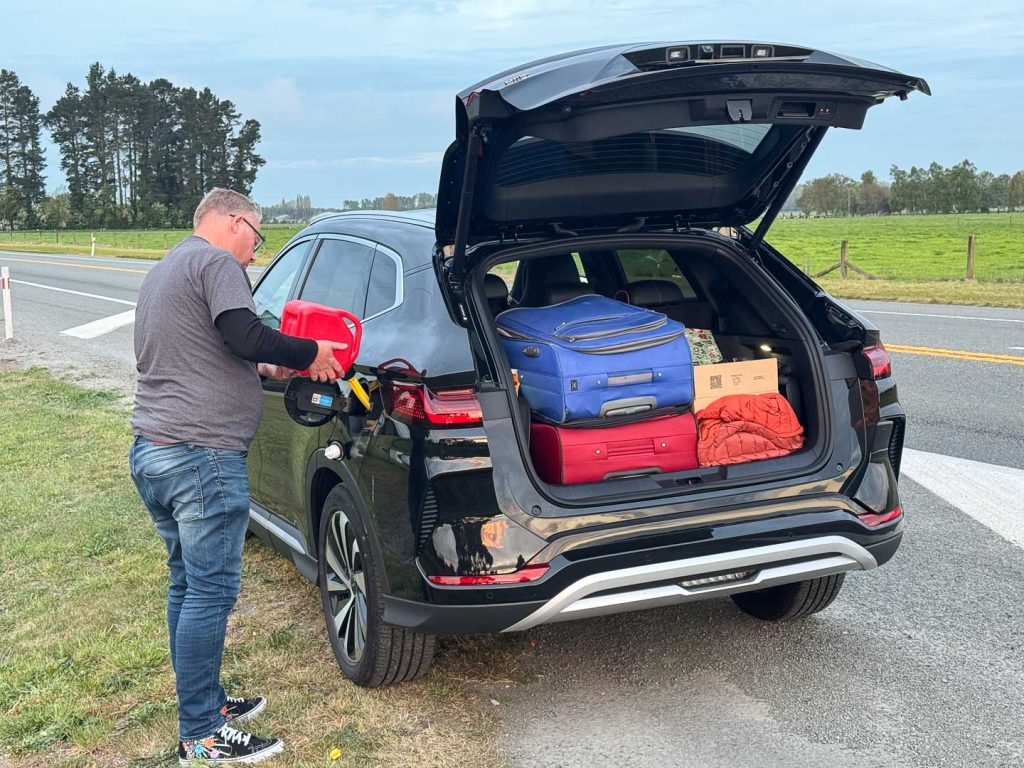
pixel 131 243
pixel 909 247
pixel 85 678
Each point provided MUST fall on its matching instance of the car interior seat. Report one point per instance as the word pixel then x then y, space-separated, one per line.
pixel 549 280
pixel 496 290
pixel 667 297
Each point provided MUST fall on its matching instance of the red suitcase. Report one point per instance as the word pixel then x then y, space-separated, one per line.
pixel 567 455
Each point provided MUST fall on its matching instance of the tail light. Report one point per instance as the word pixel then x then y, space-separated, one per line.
pixel 878 360
pixel 416 405
pixel 872 520
pixel 523 575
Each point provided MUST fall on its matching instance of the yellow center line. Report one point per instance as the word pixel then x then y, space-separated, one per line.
pixel 70 264
pixel 957 354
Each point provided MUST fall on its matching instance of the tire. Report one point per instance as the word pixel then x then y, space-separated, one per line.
pixel 369 652
pixel 791 601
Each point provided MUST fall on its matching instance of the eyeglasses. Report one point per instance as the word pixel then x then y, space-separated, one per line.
pixel 260 239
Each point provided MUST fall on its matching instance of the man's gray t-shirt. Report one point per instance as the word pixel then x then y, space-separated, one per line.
pixel 192 388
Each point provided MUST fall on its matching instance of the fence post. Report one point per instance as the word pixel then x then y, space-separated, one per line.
pixel 93 251
pixel 842 259
pixel 5 285
pixel 970 257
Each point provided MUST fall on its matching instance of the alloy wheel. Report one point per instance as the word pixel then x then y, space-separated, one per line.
pixel 346 586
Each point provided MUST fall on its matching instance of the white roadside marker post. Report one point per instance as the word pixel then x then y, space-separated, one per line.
pixel 93 251
pixel 5 284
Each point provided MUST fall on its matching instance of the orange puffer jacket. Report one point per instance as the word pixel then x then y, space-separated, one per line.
pixel 738 428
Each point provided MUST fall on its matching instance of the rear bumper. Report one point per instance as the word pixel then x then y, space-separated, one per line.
pixel 648 585
pixel 659 584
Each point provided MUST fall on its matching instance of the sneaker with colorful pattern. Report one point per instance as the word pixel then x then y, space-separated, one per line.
pixel 237 710
pixel 227 746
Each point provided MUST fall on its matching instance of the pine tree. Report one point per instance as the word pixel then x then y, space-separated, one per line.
pixel 137 153
pixel 8 196
pixel 29 156
pixel 22 184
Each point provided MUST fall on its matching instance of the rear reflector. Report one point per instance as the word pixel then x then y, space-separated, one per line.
pixel 529 573
pixel 737 576
pixel 878 358
pixel 872 520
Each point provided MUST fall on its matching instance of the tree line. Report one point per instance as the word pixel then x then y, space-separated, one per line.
pixel 302 209
pixel 133 153
pixel 935 189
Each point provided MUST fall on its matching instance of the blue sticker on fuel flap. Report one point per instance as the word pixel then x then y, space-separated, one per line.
pixel 320 399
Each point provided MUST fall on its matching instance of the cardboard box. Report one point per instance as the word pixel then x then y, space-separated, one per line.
pixel 750 377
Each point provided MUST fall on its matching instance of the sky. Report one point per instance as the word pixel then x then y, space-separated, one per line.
pixel 357 99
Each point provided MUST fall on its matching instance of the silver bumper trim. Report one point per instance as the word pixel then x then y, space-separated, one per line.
pixel 772 564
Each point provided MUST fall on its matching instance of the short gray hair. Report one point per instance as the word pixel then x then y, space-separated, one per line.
pixel 225 201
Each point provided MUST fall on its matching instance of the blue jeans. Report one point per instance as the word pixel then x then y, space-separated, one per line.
pixel 199 499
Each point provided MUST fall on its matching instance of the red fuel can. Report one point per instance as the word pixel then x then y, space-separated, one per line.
pixel 308 320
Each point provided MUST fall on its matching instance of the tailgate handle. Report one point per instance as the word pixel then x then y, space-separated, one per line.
pixel 740 110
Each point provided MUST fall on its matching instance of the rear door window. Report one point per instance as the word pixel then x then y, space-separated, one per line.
pixel 383 292
pixel 340 275
pixel 654 264
pixel 276 285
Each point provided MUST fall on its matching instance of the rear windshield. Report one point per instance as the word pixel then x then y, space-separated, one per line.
pixel 714 150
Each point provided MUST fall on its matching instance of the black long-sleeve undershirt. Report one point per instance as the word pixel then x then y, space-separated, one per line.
pixel 250 339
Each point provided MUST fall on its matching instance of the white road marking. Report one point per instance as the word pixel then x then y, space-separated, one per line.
pixel 76 293
pixel 73 257
pixel 1020 348
pixel 948 317
pixel 101 326
pixel 991 494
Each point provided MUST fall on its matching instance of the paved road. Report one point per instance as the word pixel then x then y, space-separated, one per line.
pixel 55 295
pixel 920 663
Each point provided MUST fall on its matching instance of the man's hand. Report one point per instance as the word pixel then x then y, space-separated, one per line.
pixel 326 367
pixel 275 372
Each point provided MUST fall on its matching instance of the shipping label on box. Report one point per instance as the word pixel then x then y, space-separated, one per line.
pixel 749 377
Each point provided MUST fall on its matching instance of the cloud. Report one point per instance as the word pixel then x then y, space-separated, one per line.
pixel 277 100
pixel 418 158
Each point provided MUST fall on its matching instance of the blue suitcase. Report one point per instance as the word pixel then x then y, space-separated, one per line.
pixel 593 356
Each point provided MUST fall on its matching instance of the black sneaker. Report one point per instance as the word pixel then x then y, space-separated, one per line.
pixel 239 710
pixel 227 746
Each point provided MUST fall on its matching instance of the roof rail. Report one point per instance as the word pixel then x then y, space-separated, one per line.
pixel 322 216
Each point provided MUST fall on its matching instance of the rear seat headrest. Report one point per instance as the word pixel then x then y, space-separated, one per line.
pixel 560 292
pixel 495 287
pixel 652 293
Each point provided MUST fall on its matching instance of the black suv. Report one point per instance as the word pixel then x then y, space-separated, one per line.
pixel 627 171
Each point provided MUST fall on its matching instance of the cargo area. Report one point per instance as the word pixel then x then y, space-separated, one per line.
pixel 745 336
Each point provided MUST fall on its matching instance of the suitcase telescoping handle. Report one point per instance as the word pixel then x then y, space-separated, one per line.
pixel 628 405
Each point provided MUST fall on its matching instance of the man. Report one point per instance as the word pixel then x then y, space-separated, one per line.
pixel 201 351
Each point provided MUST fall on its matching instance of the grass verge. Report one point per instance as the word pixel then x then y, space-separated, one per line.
pixel 85 678
pixel 928 292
